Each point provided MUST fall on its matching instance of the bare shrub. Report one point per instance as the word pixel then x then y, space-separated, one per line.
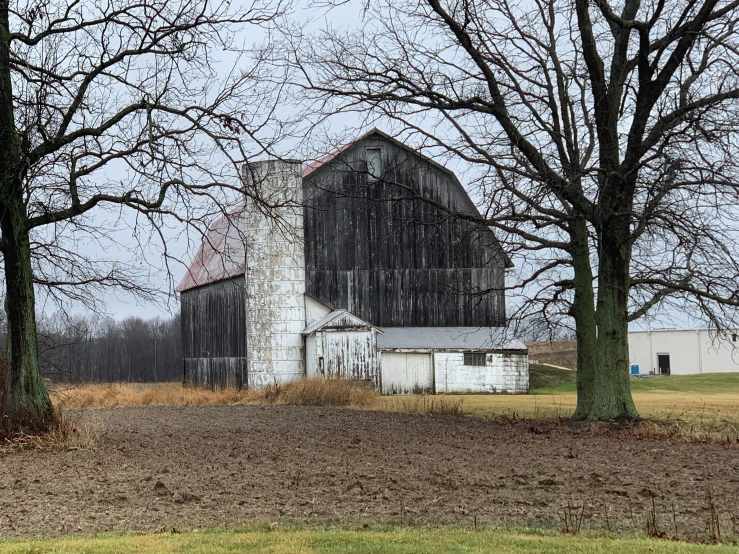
pixel 713 524
pixel 572 517
pixel 426 404
pixel 650 521
pixel 272 392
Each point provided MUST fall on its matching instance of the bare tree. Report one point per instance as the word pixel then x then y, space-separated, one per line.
pixel 106 108
pixel 603 135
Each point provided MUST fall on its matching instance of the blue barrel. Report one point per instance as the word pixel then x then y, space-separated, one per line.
pixel 635 369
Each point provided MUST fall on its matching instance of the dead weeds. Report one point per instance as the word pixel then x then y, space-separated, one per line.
pixel 69 431
pixel 704 425
pixel 116 395
pixel 427 404
pixel 718 430
pixel 322 392
pixel 307 392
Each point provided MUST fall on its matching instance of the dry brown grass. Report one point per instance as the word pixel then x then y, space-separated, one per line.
pixel 324 392
pixel 80 430
pixel 425 404
pixel 116 395
pixel 308 392
pixel 701 430
pixel 670 414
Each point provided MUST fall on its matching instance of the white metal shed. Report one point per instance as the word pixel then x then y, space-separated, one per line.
pixel 451 360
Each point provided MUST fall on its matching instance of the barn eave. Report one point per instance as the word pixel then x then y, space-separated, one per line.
pixel 340 319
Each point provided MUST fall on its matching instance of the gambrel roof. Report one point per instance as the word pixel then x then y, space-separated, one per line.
pixel 222 253
pixel 315 166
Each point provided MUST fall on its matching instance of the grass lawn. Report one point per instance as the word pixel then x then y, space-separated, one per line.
pixel 706 383
pixel 337 541
pixel 707 397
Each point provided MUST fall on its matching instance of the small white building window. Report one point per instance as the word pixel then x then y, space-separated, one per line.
pixel 474 358
pixel 374 164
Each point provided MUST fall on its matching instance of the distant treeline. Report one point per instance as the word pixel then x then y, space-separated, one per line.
pixel 94 349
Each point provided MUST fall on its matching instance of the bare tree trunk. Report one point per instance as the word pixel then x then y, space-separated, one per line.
pixel 25 401
pixel 583 311
pixel 611 388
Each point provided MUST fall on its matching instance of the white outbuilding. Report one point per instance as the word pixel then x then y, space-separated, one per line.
pixel 441 360
pixel 682 352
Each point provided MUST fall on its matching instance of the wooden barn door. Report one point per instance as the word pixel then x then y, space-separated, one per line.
pixel 350 355
pixel 407 373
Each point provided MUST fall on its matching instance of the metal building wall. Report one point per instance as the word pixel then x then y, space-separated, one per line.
pixel 691 351
pixel 502 372
pixel 314 310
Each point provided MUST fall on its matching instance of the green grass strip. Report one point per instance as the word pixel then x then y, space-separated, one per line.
pixel 706 383
pixel 340 541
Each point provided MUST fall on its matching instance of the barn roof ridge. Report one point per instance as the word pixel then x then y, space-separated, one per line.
pixel 206 269
pixel 315 165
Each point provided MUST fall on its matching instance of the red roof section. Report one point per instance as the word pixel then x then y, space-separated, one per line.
pixel 221 255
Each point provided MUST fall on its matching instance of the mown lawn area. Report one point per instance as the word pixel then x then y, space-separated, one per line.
pixel 563 381
pixel 336 541
pixel 710 397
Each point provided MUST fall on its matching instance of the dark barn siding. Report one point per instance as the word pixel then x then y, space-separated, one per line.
pixel 395 260
pixel 214 334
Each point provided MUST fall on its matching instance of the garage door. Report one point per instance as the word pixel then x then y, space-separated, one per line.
pixel 406 373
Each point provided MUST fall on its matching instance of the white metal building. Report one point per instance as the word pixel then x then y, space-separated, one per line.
pixel 451 360
pixel 678 352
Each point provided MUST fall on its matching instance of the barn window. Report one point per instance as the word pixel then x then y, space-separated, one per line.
pixel 374 164
pixel 733 337
pixel 474 358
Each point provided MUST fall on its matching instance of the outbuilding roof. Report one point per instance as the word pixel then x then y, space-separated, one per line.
pixel 338 318
pixel 457 338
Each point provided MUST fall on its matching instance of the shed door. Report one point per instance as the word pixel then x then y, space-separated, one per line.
pixel 350 354
pixel 406 373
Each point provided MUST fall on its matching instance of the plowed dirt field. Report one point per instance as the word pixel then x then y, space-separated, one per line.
pixel 220 465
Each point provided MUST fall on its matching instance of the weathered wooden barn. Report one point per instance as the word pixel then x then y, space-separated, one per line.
pixel 376 268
